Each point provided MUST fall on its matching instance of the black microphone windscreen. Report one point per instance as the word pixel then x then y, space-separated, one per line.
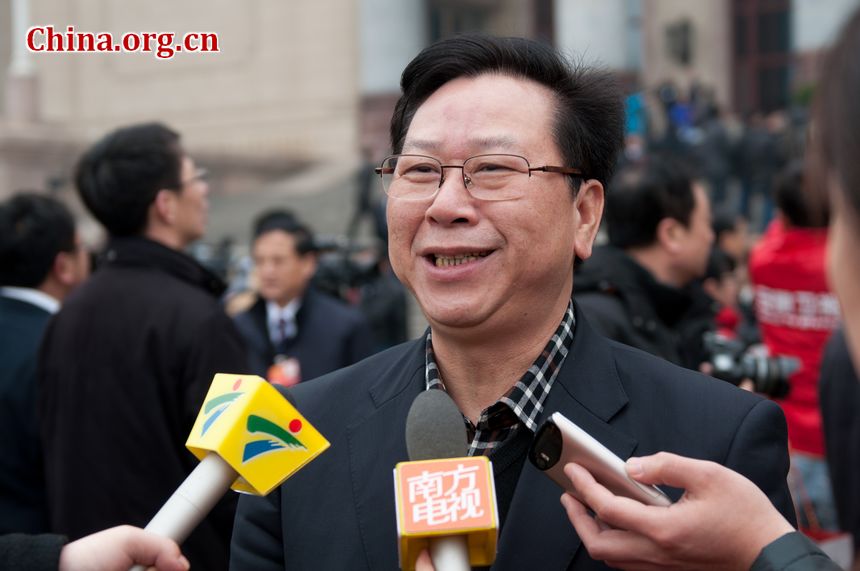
pixel 435 427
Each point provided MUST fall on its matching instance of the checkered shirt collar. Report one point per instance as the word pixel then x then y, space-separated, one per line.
pixel 523 403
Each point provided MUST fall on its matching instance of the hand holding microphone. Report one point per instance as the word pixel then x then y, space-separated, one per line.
pixel 445 501
pixel 248 437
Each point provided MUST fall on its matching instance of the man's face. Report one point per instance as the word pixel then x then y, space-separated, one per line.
pixel 697 238
pixel 282 273
pixel 735 242
pixel 192 203
pixel 518 253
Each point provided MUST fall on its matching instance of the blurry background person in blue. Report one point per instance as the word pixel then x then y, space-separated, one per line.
pixel 41 261
pixel 293 331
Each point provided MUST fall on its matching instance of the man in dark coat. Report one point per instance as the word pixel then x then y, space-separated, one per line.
pixel 127 361
pixel 41 262
pixel 636 290
pixel 293 332
pixel 503 151
pixel 839 390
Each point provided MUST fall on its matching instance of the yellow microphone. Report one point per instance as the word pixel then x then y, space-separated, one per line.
pixel 445 502
pixel 248 437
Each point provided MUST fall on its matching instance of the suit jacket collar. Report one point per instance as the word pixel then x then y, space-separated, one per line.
pixel 260 318
pixel 587 390
pixel 32 297
pixel 137 251
pixel 376 444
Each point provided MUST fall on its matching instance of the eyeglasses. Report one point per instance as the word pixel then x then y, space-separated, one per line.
pixel 199 174
pixel 486 177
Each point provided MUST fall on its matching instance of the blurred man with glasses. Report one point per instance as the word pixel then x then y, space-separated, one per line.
pixel 127 361
pixel 496 185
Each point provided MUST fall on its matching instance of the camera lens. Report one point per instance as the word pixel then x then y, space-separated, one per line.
pixel 546 449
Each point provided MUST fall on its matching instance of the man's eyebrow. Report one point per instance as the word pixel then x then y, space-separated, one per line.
pixel 421 145
pixel 494 142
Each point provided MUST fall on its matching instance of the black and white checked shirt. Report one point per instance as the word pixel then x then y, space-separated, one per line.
pixel 523 403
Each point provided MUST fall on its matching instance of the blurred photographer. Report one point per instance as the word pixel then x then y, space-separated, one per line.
pixel 797 313
pixel 362 277
pixel 725 353
pixel 637 288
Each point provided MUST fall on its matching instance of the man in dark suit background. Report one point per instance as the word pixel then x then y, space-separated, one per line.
pixel 127 361
pixel 497 184
pixel 41 262
pixel 294 332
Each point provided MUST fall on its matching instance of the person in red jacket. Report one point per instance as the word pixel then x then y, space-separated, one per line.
pixel 797 314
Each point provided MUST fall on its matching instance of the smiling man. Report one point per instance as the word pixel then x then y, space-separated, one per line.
pixel 501 151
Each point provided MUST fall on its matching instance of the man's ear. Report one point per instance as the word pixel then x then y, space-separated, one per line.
pixel 670 234
pixel 61 268
pixel 164 207
pixel 309 265
pixel 65 269
pixel 589 211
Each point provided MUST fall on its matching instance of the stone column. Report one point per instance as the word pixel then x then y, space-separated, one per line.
pixel 22 94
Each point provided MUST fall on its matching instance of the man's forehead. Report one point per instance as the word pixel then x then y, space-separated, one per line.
pixel 426 145
pixel 482 114
pixel 277 236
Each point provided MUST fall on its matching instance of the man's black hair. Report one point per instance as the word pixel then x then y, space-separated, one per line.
pixel 33 229
pixel 286 221
pixel 589 119
pixel 119 177
pixel 724 220
pixel 793 200
pixel 642 195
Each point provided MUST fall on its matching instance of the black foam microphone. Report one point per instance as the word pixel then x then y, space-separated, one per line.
pixel 435 428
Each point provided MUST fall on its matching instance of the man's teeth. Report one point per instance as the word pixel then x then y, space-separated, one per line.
pixel 447 261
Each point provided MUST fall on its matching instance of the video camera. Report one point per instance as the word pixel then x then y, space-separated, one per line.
pixel 342 266
pixel 733 362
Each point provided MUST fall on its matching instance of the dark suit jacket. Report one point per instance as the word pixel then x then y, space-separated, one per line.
pixel 331 335
pixel 22 481
pixel 125 366
pixel 839 392
pixel 338 512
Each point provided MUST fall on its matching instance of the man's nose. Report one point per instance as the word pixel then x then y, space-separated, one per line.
pixel 452 202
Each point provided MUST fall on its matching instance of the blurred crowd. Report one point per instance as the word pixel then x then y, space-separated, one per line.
pixel 712 258
pixel 715 259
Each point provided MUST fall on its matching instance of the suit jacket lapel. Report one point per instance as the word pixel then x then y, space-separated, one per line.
pixel 376 443
pixel 537 533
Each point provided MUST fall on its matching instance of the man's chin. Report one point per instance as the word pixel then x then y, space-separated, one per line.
pixel 454 319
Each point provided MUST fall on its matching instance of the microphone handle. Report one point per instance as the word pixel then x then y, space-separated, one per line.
pixel 192 500
pixel 450 553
